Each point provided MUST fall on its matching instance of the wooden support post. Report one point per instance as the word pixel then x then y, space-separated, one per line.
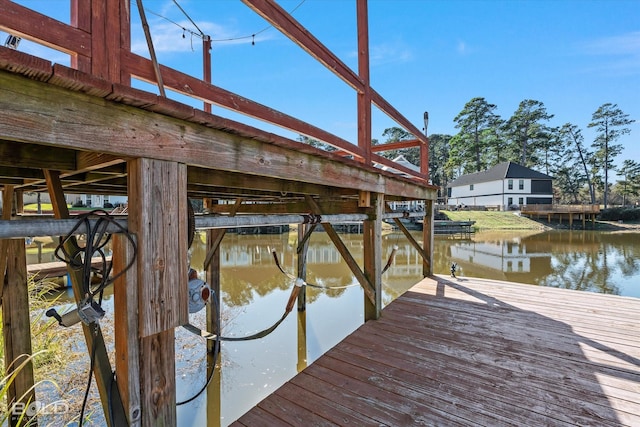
pixel 212 269
pixel 92 333
pixel 158 217
pixel 16 324
pixel 427 237
pixel 125 301
pixel 304 232
pixel 303 246
pixel 372 235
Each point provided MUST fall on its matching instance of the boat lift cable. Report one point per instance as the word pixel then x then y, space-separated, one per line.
pixel 216 352
pixel 292 277
pixel 391 258
pixel 261 334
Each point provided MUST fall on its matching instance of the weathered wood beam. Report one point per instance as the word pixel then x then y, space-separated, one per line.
pixel 7 203
pixel 20 172
pixel 11 181
pixel 142 68
pixel 241 182
pixel 158 217
pixel 111 402
pixel 127 343
pixel 16 321
pixel 372 255
pixel 35 156
pixel 328 207
pixel 427 237
pixel 106 163
pixel 122 130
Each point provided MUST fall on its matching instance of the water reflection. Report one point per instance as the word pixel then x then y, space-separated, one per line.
pixel 254 293
pixel 601 262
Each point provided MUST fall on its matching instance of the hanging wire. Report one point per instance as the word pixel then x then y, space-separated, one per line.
pixel 184 30
pixel 292 277
pixel 201 35
pixel 189 18
pixel 253 35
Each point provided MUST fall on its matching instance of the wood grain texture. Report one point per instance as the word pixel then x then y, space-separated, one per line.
pixel 16 321
pixel 476 352
pixel 158 217
pixel 31 112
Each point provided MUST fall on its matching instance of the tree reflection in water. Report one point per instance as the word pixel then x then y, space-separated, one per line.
pixel 604 262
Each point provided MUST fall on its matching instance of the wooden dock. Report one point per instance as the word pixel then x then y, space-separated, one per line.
pixel 475 352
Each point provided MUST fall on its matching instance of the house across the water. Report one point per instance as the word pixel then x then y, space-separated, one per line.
pixel 507 185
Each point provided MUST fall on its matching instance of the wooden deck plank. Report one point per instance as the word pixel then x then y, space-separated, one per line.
pixel 480 352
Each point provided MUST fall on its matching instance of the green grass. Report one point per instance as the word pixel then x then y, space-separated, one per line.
pixel 489 220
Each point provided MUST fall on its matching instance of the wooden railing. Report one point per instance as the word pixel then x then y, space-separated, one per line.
pixel 105 52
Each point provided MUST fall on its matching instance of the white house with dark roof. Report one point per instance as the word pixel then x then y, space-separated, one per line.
pixel 506 185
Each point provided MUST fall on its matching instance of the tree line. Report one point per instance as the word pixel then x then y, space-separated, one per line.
pixel 583 173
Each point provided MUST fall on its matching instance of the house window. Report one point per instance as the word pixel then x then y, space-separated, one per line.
pixel 520 200
pixel 509 201
pixel 521 184
pixel 510 184
pixel 471 187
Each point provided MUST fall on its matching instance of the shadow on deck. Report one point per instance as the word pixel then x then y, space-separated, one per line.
pixel 475 352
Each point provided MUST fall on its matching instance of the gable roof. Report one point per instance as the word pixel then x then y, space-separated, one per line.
pixel 499 172
pixel 401 160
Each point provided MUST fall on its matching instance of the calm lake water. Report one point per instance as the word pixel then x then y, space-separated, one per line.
pixel 254 294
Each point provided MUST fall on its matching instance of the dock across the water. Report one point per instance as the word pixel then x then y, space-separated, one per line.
pixel 475 352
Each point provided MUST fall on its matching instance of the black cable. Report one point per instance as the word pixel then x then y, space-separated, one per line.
pixel 86 393
pixel 216 352
pixel 292 277
pixel 96 239
pixel 110 398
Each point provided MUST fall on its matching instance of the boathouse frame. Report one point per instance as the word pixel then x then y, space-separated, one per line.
pixel 84 129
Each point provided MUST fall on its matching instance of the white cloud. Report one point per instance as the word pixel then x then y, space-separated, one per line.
pixel 624 44
pixel 168 37
pixel 390 53
pixel 461 47
pixel 620 53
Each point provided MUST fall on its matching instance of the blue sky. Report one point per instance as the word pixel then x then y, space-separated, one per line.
pixel 425 55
